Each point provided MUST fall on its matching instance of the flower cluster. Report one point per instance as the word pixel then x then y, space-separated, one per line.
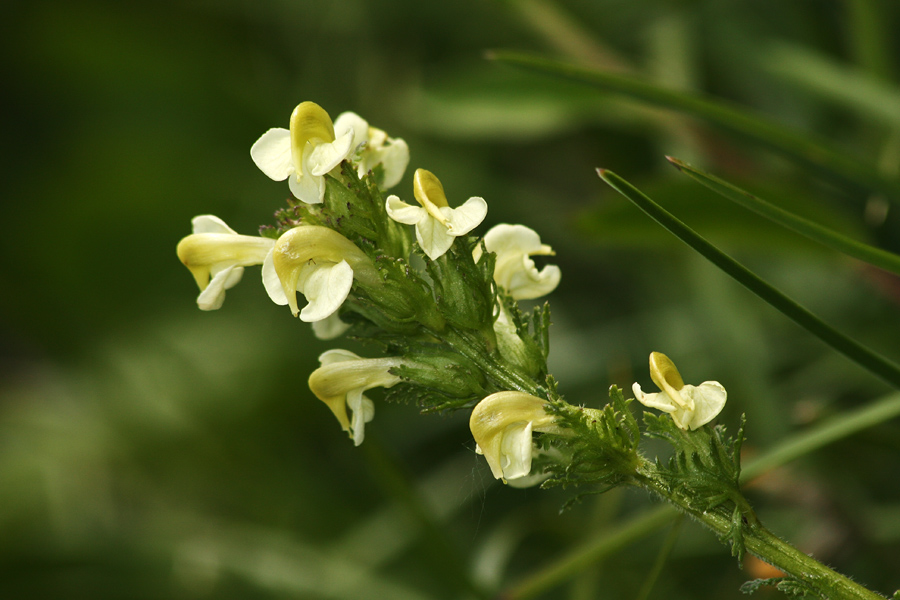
pixel 453 332
pixel 347 249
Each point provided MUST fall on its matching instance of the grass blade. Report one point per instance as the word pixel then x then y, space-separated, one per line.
pixel 799 146
pixel 828 237
pixel 866 358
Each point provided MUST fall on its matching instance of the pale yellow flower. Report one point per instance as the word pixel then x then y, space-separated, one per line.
pixel 319 263
pixel 437 225
pixel 515 271
pixel 372 147
pixel 341 381
pixel 690 406
pixel 502 425
pixel 304 153
pixel 216 256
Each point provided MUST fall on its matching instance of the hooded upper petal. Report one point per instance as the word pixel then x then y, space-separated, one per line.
pixel 306 259
pixel 502 425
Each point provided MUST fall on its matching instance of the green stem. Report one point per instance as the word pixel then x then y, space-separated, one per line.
pixel 763 544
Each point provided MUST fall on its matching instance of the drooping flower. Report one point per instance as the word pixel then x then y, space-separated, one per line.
pixel 514 271
pixel 319 263
pixel 372 147
pixel 341 381
pixel 436 223
pixel 216 256
pixel 502 425
pixel 690 406
pixel 304 153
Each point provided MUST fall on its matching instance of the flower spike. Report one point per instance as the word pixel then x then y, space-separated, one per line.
pixel 341 381
pixel 502 425
pixel 304 153
pixel 321 264
pixel 216 256
pixel 690 406
pixel 436 223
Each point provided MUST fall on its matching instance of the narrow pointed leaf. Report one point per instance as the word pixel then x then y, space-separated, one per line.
pixel 866 358
pixel 800 146
pixel 828 237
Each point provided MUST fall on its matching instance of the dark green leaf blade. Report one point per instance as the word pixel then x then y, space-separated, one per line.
pixel 863 356
pixel 828 237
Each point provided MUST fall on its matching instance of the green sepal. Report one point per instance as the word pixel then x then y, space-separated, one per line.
pixel 704 474
pixel 521 344
pixel 789 586
pixel 356 210
pixel 442 379
pixel 401 304
pixel 602 446
pixel 463 289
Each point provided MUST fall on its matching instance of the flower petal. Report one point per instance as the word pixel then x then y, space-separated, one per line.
pixel 354 122
pixel 363 412
pixel 326 156
pixel 330 327
pixel 515 450
pixel 210 224
pixel 271 282
pixel 336 355
pixel 709 400
pixel 272 153
pixel 394 159
pixel 467 217
pixel 528 283
pixel 213 296
pixel 513 239
pixel 659 401
pixel 433 237
pixel 308 188
pixel 402 212
pixel 326 287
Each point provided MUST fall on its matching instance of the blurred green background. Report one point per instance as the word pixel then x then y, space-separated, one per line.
pixel 149 450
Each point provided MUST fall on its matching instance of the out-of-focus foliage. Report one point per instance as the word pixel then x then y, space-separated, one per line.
pixel 148 450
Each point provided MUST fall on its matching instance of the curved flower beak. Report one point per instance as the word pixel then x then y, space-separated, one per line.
pixel 341 381
pixel 502 425
pixel 320 263
pixel 215 254
pixel 690 406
